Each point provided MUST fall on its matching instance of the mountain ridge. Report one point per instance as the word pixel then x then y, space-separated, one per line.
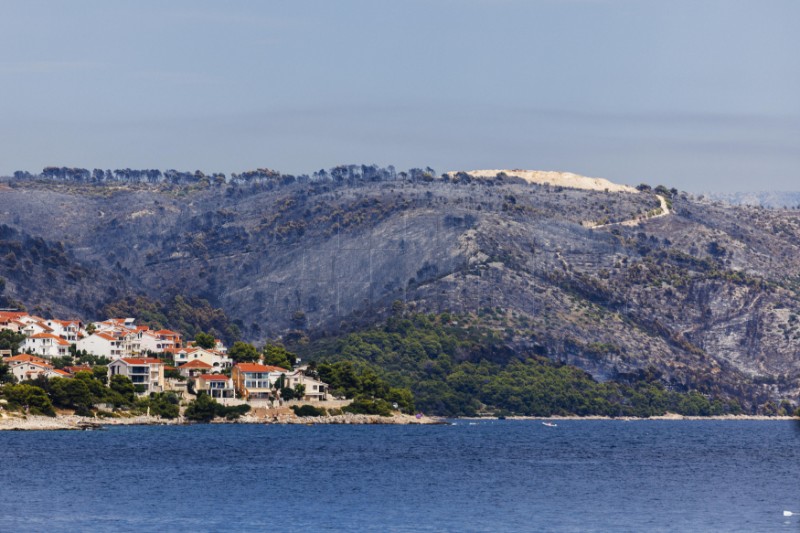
pixel 706 293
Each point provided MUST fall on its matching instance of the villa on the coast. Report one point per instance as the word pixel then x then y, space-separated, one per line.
pixel 147 373
pixel 215 385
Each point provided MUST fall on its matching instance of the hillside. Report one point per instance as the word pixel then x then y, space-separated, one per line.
pixel 611 280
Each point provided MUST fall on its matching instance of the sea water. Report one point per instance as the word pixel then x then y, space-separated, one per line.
pixel 581 476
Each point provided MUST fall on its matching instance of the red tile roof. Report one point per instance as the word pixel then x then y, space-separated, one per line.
pixel 56 338
pixel 195 364
pixel 142 361
pixel 11 315
pixel 76 369
pixel 214 377
pixel 24 358
pixel 255 367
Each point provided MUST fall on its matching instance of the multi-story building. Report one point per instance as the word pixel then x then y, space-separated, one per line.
pixel 254 381
pixel 47 345
pixel 215 385
pixel 146 372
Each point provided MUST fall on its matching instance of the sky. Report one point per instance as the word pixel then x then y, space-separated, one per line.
pixel 698 95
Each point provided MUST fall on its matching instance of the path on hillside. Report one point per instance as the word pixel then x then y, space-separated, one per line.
pixel 665 210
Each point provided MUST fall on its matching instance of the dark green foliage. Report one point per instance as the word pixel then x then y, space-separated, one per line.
pixel 189 315
pixel 28 397
pixel 5 373
pixel 308 410
pixel 278 356
pixel 205 340
pixel 369 406
pixel 61 362
pixel 242 352
pixel 85 390
pixel 359 379
pixel 204 408
pixel 10 340
pixel 201 409
pixel 463 371
pixel 163 404
pixel 100 373
pixel 123 386
pixel 174 373
pixel 70 393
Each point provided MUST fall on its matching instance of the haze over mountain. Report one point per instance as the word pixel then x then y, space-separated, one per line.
pixel 609 278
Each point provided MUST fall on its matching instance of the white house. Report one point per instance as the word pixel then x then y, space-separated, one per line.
pixel 102 344
pixel 47 345
pixel 69 330
pixel 35 328
pixel 217 361
pixel 147 372
pixel 194 368
pixel 150 341
pixel 314 388
pixel 27 370
pixel 215 385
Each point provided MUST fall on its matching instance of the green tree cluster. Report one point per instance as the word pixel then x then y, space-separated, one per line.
pixel 10 340
pixel 278 356
pixel 27 397
pixel 362 381
pixel 242 352
pixel 467 369
pixel 204 408
pixel 309 410
pixel 163 404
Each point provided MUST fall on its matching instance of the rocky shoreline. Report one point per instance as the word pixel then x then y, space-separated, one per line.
pixel 73 422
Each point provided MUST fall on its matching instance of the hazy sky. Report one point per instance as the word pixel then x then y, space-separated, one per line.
pixel 698 95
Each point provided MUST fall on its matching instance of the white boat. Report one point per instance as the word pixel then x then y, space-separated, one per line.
pixel 550 424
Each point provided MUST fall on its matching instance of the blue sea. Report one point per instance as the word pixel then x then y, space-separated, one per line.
pixel 582 476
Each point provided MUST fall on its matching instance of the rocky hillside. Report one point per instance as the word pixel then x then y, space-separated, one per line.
pixel 611 280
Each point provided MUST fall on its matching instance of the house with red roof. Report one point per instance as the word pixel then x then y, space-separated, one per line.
pixel 102 343
pixel 12 320
pixel 255 381
pixel 156 342
pixel 69 330
pixel 24 370
pixel 215 385
pixel 194 368
pixel 47 345
pixel 23 358
pixel 218 361
pixel 146 373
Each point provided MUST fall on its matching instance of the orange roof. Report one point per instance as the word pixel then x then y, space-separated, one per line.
pixel 65 322
pixel 62 373
pixel 214 377
pixel 59 340
pixel 23 358
pixel 255 367
pixel 76 369
pixel 142 361
pixel 11 315
pixel 105 336
pixel 167 332
pixel 197 363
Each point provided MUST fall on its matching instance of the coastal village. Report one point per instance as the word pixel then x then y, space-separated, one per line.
pixel 161 361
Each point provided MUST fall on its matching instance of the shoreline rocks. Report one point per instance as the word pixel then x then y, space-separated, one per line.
pixel 73 422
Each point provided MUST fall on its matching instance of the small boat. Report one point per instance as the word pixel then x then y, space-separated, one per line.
pixel 550 424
